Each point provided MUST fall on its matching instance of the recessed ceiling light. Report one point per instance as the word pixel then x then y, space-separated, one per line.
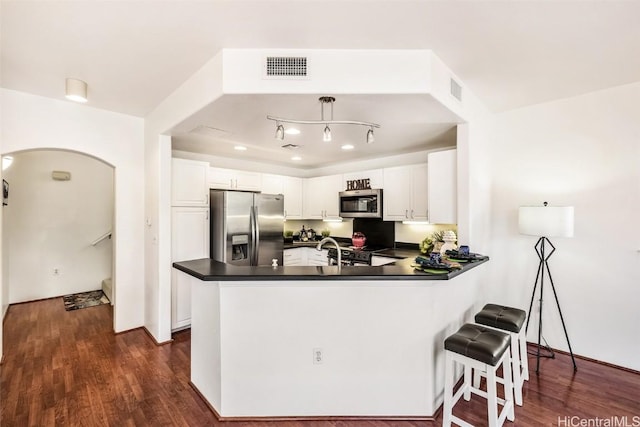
pixel 347 147
pixel 292 131
pixel 240 148
pixel 296 158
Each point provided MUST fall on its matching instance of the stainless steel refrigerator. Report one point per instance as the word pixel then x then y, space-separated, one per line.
pixel 246 228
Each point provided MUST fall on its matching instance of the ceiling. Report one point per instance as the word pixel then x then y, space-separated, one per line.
pixel 133 54
pixel 408 123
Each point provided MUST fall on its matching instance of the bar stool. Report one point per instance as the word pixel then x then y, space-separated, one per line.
pixel 510 320
pixel 482 349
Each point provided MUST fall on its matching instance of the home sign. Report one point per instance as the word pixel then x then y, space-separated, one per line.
pixel 359 184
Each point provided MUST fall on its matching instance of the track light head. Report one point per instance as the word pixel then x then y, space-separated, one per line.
pixel 280 132
pixel 326 136
pixel 370 137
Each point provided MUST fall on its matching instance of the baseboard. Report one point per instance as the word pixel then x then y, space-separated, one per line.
pixel 589 359
pixel 34 300
pixel 310 418
pixel 154 339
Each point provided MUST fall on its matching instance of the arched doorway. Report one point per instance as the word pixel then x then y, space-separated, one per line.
pixel 60 204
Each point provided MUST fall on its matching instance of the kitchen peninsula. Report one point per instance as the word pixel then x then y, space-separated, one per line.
pixel 299 341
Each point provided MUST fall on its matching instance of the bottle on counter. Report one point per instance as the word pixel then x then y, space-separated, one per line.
pixel 303 235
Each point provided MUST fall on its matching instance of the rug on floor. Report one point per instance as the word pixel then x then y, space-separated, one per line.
pixel 84 300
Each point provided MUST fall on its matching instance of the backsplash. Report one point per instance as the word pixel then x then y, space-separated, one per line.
pixel 406 233
pixel 416 233
pixel 338 229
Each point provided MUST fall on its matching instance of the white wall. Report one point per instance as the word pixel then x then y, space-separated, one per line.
pixel 584 152
pixel 49 225
pixel 33 122
pixel 202 88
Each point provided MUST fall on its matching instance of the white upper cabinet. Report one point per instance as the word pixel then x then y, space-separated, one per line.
pixel 443 187
pixel 405 193
pixel 292 190
pixel 290 187
pixel 320 197
pixel 272 184
pixel 374 176
pixel 231 179
pixel 189 183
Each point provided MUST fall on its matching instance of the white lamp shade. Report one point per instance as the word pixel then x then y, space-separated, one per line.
pixel 546 221
pixel 76 90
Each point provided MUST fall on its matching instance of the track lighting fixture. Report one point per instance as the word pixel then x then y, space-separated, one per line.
pixel 326 135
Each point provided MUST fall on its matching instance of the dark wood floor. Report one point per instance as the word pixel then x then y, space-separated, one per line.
pixel 69 369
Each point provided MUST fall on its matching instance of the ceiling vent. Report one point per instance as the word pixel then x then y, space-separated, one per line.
pixel 285 67
pixel 456 90
pixel 209 131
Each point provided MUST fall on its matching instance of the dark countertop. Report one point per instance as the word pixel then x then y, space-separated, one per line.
pixel 210 270
pixel 405 251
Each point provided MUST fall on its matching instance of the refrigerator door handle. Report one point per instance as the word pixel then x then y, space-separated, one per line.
pixel 256 247
pixel 252 226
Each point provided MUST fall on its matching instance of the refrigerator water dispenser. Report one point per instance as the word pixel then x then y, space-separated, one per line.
pixel 239 247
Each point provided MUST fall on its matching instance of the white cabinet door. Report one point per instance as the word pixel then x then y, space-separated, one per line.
pixel 231 179
pixel 272 184
pixel 316 257
pixel 397 193
pixel 405 193
pixel 189 240
pixel 419 193
pixel 189 183
pixel 443 187
pixel 295 256
pixel 320 199
pixel 221 179
pixel 377 261
pixel 248 181
pixel 180 300
pixel 292 190
pixel 312 203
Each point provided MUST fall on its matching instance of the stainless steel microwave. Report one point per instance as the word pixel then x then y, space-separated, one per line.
pixel 361 203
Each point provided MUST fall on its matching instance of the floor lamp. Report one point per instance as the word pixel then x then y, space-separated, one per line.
pixel 544 222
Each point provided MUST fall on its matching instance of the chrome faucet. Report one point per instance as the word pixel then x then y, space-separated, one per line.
pixel 329 239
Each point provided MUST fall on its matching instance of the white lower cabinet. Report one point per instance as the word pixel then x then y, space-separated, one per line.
pixel 295 256
pixel 180 300
pixel 189 240
pixel 377 261
pixel 305 256
pixel 316 257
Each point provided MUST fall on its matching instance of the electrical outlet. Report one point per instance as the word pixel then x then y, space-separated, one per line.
pixel 318 357
pixel 56 272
